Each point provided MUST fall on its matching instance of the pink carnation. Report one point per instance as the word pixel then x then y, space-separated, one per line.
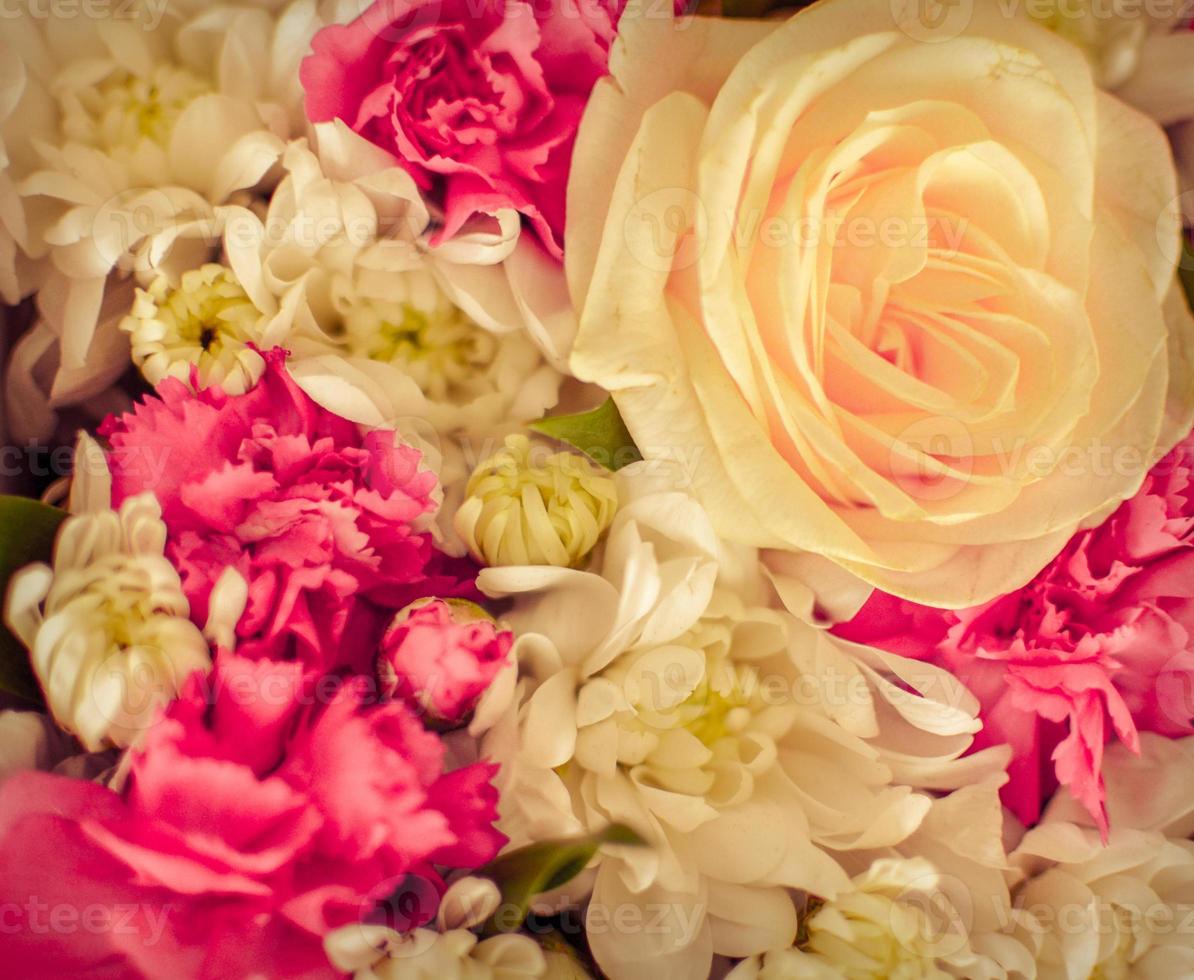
pixel 480 101
pixel 252 823
pixel 436 662
pixel 1099 645
pixel 322 521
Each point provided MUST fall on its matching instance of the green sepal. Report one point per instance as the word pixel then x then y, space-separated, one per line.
pixel 541 867
pixel 600 434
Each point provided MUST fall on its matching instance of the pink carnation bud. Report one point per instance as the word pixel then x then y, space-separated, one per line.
pixel 441 656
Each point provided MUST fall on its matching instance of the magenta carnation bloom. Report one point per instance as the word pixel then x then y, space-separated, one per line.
pixel 480 101
pixel 323 523
pixel 440 661
pixel 253 822
pixel 1099 645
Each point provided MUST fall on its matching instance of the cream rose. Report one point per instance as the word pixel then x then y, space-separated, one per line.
pixel 904 304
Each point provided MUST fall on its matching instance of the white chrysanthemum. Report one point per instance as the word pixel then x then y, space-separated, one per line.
pixel 107 625
pixel 125 132
pixel 890 924
pixel 456 345
pixel 340 270
pixel 962 837
pixel 420 331
pixel 449 952
pixel 1122 908
pixel 747 747
pixel 527 505
pixel 1110 911
pixel 469 375
pixel 149 116
pixel 206 322
pixel 458 954
pixel 937 905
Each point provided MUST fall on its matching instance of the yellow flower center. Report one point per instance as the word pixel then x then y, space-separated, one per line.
pixel 206 321
pixel 690 721
pixel 116 597
pixel 721 706
pixel 885 940
pixel 125 109
pixel 441 349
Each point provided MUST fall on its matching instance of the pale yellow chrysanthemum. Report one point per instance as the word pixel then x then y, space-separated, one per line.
pixel 886 927
pixel 418 329
pixel 107 626
pixel 206 321
pixel 526 506
pixel 448 952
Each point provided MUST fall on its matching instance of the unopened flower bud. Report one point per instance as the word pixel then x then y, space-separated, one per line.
pixel 107 627
pixel 439 656
pixel 525 507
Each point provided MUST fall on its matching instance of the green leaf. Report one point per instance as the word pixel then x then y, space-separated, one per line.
pixel 541 867
pixel 27 530
pixel 600 434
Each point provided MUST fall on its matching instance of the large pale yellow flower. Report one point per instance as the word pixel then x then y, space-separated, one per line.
pixel 902 293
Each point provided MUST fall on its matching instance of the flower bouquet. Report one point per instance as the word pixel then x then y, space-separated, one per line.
pixel 506 489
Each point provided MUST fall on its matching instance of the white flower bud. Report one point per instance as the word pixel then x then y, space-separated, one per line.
pixel 107 626
pixel 526 507
pixel 467 903
pixel 377 953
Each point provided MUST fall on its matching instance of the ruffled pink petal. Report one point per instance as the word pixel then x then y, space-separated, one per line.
pixel 1099 645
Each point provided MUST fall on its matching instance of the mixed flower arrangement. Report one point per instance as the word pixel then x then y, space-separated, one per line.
pixel 509 489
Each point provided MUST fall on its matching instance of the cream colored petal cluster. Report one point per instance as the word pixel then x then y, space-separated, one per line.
pixel 753 751
pixel 124 133
pixel 528 505
pixel 175 139
pixel 880 928
pixel 343 271
pixel 1120 907
pixel 206 323
pixel 1109 910
pixel 383 328
pixel 938 905
pixel 448 952
pixel 107 624
pixel 908 300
